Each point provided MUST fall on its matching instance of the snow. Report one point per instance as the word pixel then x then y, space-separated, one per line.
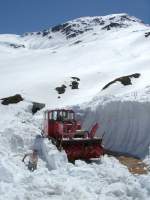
pixel 55 178
pixel 101 57
pixel 125 124
pixel 122 111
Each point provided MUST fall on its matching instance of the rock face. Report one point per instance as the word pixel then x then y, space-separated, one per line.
pixel 147 34
pixel 61 89
pixel 12 99
pixel 16 46
pixel 74 28
pixel 124 80
pixel 37 106
pixel 113 25
pixel 17 98
pixel 74 83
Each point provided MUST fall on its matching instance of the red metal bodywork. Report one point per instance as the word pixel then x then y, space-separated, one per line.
pixel 62 127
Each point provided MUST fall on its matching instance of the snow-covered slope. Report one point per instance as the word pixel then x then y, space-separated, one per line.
pixel 100 50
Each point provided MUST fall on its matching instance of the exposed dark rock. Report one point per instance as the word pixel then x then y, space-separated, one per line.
pixel 112 25
pixel 98 21
pixel 73 33
pixel 37 106
pixel 83 23
pixel 126 18
pixel 59 27
pixel 136 75
pixel 74 25
pixel 74 85
pixel 77 42
pixel 17 98
pixel 27 33
pixel 45 33
pixel 12 99
pixel 16 46
pixel 88 29
pixel 102 22
pixel 61 89
pixel 38 33
pixel 147 34
pixel 69 30
pixel 124 80
pixel 75 78
pixel 111 18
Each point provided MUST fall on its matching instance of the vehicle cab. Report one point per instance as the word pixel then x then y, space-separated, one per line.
pixel 60 123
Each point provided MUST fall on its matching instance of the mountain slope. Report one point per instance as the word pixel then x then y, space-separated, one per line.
pixel 104 48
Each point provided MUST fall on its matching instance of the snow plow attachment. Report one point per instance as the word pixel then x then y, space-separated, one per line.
pixel 83 149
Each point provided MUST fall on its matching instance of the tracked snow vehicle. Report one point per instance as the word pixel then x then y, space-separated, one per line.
pixel 65 132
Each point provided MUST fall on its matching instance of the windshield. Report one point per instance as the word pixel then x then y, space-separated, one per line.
pixel 63 115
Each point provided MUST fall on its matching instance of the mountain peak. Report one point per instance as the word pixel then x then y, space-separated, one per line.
pixel 81 25
pixel 73 31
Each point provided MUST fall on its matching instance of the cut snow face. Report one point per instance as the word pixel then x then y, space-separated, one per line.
pixel 124 124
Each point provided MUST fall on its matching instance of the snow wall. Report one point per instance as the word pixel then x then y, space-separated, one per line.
pixel 126 125
pixel 49 153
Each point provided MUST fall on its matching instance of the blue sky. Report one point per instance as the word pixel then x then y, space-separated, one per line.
pixel 19 16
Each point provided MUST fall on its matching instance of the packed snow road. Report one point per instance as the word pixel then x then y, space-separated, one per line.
pixel 55 178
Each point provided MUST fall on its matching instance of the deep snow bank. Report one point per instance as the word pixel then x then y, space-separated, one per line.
pixel 49 153
pixel 125 123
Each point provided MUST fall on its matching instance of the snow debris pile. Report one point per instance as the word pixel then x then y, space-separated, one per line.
pixel 55 178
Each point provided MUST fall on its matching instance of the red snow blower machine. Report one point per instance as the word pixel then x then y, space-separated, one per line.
pixel 62 128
